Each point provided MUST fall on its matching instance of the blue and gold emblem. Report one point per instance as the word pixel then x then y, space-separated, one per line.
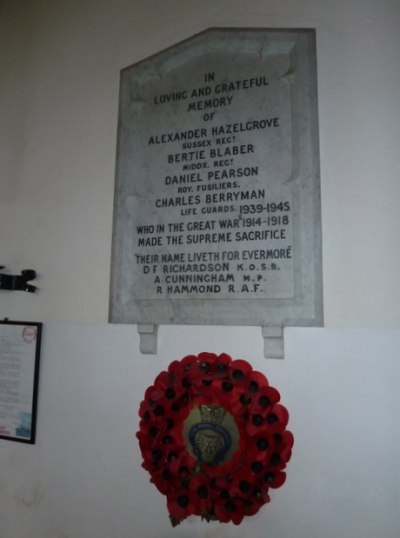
pixel 210 434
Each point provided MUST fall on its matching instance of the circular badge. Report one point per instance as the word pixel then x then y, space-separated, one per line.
pixel 210 434
pixel 29 334
pixel 213 438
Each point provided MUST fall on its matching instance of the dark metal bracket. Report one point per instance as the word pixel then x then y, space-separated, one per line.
pixel 18 282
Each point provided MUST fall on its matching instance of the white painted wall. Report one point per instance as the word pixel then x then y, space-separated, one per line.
pixel 59 97
pixel 83 477
pixel 59 75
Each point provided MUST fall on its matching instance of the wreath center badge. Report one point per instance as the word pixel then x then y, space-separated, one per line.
pixel 213 438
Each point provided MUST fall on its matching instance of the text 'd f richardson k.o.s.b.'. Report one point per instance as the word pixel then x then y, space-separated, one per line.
pixel 217 201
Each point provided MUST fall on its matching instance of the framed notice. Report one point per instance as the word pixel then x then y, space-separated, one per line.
pixel 19 375
pixel 217 201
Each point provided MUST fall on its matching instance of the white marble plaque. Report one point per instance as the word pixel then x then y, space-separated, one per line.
pixel 217 205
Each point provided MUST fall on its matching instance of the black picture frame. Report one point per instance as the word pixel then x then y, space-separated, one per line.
pixel 20 345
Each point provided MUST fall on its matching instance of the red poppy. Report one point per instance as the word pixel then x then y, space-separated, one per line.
pixel 179 504
pixel 230 509
pixel 242 484
pixel 274 479
pixel 200 493
pixel 213 438
pixel 267 396
pixel 183 466
pixel 165 480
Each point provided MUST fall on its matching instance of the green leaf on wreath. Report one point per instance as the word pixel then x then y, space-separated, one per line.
pixel 174 521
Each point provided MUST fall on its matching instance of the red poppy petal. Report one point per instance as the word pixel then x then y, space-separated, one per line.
pixel 237 517
pixel 221 513
pixel 225 358
pixel 282 414
pixel 162 378
pixel 174 366
pixel 279 480
pixel 271 393
pixel 286 454
pixel 253 508
pixel 287 438
pixel 253 429
pixel 148 393
pixel 259 378
pixel 206 357
pixel 240 364
pixel 174 504
pixel 188 359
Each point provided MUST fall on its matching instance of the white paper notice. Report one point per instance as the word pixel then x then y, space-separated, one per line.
pixel 17 373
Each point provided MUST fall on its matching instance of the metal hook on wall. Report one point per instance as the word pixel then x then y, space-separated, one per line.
pixel 18 282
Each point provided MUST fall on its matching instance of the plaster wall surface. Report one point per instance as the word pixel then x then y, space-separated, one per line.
pixel 83 476
pixel 58 104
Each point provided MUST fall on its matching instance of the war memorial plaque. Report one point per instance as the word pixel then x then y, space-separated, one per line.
pixel 217 202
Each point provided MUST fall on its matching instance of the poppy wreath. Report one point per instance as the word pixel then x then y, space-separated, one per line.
pixel 213 438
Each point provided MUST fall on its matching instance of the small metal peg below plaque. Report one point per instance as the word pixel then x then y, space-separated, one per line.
pixel 148 338
pixel 273 342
